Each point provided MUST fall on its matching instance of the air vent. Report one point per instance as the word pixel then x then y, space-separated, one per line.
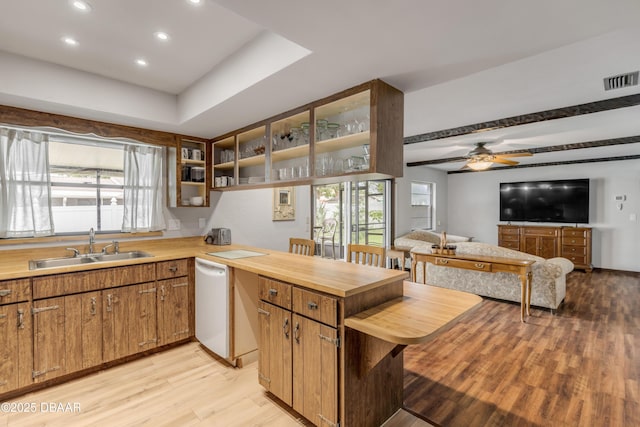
pixel 620 81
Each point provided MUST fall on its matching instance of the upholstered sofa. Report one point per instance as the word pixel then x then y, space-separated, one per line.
pixel 548 286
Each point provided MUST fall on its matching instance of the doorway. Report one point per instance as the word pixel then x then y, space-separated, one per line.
pixel 362 210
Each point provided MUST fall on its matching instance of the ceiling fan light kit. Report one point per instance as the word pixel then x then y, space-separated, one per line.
pixel 479 165
pixel 481 158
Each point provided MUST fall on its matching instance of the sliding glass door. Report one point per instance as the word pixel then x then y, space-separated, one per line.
pixel 362 211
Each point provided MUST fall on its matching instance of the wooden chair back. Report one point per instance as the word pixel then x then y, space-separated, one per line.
pixel 364 254
pixel 418 263
pixel 302 246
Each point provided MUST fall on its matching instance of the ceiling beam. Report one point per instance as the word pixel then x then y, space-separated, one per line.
pixel 541 116
pixel 564 147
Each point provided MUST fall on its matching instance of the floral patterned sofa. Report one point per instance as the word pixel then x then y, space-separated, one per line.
pixel 548 287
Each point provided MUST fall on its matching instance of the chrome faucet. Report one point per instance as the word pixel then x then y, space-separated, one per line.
pixel 114 244
pixel 92 239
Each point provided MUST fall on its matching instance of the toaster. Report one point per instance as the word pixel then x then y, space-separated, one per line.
pixel 218 236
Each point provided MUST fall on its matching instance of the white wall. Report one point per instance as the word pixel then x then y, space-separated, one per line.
pixel 473 206
pixel 248 214
pixel 403 197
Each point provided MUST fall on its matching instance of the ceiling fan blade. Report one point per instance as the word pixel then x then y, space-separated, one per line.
pixel 527 154
pixel 466 166
pixel 504 161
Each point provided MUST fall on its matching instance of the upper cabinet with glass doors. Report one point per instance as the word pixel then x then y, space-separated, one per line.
pixel 355 132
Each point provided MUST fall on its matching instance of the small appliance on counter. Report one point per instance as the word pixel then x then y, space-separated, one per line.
pixel 218 236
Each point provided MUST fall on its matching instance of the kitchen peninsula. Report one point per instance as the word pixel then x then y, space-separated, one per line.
pixel 361 370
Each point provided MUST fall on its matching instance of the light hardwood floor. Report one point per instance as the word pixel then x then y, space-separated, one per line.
pixel 184 386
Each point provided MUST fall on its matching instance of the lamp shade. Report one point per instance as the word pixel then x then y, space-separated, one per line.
pixel 479 165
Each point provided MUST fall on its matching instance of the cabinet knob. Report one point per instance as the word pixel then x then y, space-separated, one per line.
pixel 479 265
pixel 296 332
pixel 173 268
pixel 312 305
pixel 285 327
pixel 273 292
pixel 5 292
pixel 20 319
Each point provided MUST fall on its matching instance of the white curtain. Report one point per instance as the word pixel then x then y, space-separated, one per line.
pixel 143 201
pixel 25 186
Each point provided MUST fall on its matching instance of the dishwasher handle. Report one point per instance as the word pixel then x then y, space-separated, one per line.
pixel 211 268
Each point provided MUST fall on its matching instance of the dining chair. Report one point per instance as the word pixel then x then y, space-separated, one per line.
pixel 328 234
pixel 365 254
pixel 302 246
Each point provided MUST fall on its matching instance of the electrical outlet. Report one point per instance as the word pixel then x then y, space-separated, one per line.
pixel 174 224
pixel 202 222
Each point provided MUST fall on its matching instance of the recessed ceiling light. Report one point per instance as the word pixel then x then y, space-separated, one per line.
pixel 81 5
pixel 195 1
pixel 161 35
pixel 70 41
pixel 141 62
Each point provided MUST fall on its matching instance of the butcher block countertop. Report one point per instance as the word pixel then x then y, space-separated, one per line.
pixel 326 275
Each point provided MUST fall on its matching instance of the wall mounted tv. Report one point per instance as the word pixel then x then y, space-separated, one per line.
pixel 565 201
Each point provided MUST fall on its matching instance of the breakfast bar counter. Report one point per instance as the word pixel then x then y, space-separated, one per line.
pixel 343 325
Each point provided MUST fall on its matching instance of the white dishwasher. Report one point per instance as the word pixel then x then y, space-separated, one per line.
pixel 212 306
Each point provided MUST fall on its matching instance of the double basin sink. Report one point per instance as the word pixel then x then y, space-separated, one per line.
pixel 85 259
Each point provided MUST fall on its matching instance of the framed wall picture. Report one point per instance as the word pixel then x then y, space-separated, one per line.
pixel 284 204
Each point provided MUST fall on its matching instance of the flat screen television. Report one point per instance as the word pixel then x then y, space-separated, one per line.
pixel 564 201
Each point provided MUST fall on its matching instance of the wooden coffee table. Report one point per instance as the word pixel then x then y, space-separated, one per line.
pixel 487 264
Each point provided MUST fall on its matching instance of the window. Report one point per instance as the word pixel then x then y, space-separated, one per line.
pixel 87 186
pixel 67 184
pixel 422 204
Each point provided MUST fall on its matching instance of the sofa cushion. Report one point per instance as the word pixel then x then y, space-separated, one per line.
pixel 425 238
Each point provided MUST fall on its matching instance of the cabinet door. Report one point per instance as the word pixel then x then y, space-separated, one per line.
pixel 83 325
pixel 48 338
pixel 115 331
pixel 315 371
pixel 143 324
pixel 15 346
pixel 274 362
pixel 530 244
pixel 173 310
pixel 547 247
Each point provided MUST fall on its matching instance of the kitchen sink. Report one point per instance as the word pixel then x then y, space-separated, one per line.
pixel 37 264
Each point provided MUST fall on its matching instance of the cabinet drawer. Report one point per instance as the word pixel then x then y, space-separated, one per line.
pixel 577 241
pixel 174 268
pixel 513 231
pixel 71 283
pixel 540 231
pixel 510 244
pixel 574 250
pixel 14 291
pixel 576 259
pixel 316 306
pixel 467 265
pixel 130 275
pixel 575 232
pixel 275 292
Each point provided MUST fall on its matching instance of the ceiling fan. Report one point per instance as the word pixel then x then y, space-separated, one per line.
pixel 481 158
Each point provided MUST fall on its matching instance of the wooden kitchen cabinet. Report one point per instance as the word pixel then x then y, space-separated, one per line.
pixel 48 339
pixel 192 171
pixel 356 132
pixel 83 331
pixel 275 368
pixel 298 360
pixel 173 310
pixel 130 322
pixel 16 338
pixel 315 371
